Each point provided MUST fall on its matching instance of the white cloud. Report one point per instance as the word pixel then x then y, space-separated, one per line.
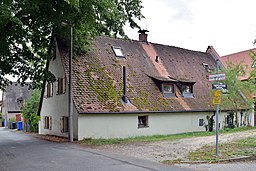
pixel 227 25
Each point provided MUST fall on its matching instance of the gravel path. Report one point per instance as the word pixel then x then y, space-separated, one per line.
pixel 171 150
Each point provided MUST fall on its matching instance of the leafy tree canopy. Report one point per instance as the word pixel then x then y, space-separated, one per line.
pixel 240 91
pixel 30 109
pixel 27 29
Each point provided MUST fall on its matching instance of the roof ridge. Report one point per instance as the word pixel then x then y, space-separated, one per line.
pixel 238 52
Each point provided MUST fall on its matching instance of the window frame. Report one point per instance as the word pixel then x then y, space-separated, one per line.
pixel 64 128
pixel 185 93
pixel 168 93
pixel 201 122
pixel 118 52
pixel 143 121
pixel 61 85
pixel 48 122
pixel 49 90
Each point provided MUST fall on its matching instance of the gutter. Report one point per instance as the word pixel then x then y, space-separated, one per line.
pixel 146 112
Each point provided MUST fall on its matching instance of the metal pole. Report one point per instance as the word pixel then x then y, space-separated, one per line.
pixel 70 104
pixel 217 115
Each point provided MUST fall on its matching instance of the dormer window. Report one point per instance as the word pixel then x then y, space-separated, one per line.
pixel 118 52
pixel 187 90
pixel 168 89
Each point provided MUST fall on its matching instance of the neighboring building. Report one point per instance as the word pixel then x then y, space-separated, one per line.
pixel 162 90
pixel 249 64
pixel 13 98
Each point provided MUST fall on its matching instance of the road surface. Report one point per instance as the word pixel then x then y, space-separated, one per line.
pixel 22 152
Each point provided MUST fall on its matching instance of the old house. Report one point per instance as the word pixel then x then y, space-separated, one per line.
pixel 125 88
pixel 244 58
pixel 13 98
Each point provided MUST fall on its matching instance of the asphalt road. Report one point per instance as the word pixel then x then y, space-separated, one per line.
pixel 22 152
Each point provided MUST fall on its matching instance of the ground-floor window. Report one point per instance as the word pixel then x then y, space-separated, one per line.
pixel 201 122
pixel 48 122
pixel 64 126
pixel 142 121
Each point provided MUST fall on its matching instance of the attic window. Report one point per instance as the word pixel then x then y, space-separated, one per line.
pixel 118 51
pixel 168 89
pixel 187 90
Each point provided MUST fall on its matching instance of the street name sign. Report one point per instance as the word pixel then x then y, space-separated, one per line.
pixel 219 86
pixel 217 77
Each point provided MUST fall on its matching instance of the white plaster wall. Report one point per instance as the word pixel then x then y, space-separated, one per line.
pixel 57 105
pixel 126 125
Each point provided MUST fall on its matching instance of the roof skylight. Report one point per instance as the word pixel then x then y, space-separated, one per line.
pixel 118 51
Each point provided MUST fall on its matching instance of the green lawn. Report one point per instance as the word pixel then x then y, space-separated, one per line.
pixel 245 147
pixel 98 142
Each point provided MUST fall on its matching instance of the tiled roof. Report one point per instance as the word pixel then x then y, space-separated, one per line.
pixel 240 57
pixel 98 77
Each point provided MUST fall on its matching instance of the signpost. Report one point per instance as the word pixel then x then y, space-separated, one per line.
pixel 217 97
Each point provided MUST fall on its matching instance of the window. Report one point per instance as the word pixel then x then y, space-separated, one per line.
pixel 48 122
pixel 49 90
pixel 201 122
pixel 118 51
pixel 20 101
pixel 187 90
pixel 61 85
pixel 64 126
pixel 168 89
pixel 142 121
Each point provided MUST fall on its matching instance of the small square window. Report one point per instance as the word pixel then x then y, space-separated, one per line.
pixel 168 88
pixel 187 91
pixel 201 122
pixel 142 121
pixel 118 51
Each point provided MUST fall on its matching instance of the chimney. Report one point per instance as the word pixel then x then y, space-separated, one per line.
pixel 143 37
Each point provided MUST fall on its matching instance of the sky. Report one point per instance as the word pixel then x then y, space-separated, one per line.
pixel 227 25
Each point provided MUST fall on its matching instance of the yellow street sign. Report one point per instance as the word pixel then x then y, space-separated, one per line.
pixel 216 100
pixel 217 93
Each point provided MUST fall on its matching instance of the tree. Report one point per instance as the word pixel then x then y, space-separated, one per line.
pixel 30 109
pixel 28 29
pixel 240 92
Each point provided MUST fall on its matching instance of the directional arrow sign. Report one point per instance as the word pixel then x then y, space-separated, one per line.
pixel 217 77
